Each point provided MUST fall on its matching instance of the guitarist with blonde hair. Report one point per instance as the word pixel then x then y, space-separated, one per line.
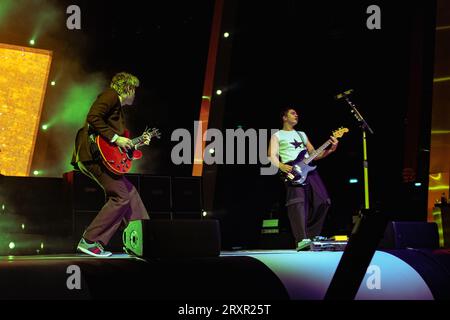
pixel 106 119
pixel 307 202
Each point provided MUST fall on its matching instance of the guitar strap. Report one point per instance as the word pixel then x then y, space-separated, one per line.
pixel 95 151
pixel 301 138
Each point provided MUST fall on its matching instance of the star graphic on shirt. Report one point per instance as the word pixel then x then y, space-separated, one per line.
pixel 296 144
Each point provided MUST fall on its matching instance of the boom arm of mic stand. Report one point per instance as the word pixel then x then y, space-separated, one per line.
pixel 359 117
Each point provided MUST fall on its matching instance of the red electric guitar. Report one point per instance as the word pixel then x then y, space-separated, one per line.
pixel 119 160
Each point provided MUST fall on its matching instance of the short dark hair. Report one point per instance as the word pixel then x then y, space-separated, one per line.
pixel 284 112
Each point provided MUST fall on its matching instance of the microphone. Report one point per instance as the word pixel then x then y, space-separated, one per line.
pixel 344 94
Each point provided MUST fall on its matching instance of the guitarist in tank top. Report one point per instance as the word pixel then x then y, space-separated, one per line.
pixel 307 203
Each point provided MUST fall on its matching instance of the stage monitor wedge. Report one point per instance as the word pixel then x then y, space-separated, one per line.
pixel 410 234
pixel 173 238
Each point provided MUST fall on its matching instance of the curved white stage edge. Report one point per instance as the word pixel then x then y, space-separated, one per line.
pixel 264 275
pixel 307 275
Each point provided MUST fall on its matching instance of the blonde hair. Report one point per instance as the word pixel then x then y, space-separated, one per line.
pixel 124 82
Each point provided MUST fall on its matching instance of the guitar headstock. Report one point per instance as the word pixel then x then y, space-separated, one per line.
pixel 340 132
pixel 153 132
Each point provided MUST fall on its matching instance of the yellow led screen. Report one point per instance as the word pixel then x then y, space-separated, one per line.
pixel 23 80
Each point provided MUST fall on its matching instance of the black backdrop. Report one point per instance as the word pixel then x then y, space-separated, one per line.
pixel 284 52
pixel 302 54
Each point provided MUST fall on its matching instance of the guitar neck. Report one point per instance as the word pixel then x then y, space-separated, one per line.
pixel 140 139
pixel 137 140
pixel 317 152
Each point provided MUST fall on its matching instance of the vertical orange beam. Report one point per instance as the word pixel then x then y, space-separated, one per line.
pixel 199 144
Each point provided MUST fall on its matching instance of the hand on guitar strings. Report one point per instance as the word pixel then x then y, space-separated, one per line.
pixel 147 137
pixel 124 143
pixel 285 168
pixel 334 143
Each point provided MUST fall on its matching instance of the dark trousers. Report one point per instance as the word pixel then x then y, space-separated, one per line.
pixel 123 203
pixel 307 207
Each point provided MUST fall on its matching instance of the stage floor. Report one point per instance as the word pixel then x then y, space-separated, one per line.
pixel 247 274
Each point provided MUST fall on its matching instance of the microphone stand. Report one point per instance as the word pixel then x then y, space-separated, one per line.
pixel 365 236
pixel 364 128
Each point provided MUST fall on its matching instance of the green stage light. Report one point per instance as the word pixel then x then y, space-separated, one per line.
pixel 6 6
pixel 76 102
pixel 32 42
pixel 45 127
pixel 12 245
pixel 23 226
pixel 211 151
pixel 418 184
pixel 53 83
pixel 36 172
pixel 226 35
pixel 204 213
pixel 219 92
pixel 42 245
pixel 352 181
pixel 72 110
pixel 3 207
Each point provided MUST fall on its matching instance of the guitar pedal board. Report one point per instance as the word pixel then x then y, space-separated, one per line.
pixel 336 243
pixel 328 245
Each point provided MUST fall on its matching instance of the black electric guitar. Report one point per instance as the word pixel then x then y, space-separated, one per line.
pixel 301 167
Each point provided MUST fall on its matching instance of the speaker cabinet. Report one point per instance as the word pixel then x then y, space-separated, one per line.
pixel 156 193
pixel 187 194
pixel 84 194
pixel 173 238
pixel 401 235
